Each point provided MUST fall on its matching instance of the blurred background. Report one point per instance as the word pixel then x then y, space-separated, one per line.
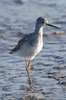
pixel 48 69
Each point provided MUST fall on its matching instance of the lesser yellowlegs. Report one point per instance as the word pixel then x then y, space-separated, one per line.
pixel 30 45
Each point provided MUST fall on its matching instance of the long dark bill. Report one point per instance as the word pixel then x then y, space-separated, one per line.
pixel 53 26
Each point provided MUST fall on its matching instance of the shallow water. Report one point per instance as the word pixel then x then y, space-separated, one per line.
pixel 48 69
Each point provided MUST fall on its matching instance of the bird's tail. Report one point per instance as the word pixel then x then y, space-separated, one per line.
pixel 11 52
pixel 14 50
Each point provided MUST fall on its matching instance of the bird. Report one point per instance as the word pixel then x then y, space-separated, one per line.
pixel 31 44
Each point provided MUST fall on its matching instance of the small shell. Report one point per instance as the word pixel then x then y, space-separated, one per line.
pixel 58 33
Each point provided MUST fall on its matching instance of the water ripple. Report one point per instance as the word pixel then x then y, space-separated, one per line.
pixel 48 69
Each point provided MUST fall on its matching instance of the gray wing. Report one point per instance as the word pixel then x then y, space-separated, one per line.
pixel 30 38
pixel 17 47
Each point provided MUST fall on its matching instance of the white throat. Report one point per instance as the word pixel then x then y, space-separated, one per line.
pixel 39 30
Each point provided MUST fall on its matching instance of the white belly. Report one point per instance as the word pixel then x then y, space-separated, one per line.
pixel 39 47
pixel 30 51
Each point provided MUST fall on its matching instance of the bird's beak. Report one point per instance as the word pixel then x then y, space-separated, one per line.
pixel 52 26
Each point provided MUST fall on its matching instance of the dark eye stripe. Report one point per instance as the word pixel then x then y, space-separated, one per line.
pixel 43 22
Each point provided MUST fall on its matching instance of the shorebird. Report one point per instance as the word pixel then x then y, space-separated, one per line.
pixel 30 45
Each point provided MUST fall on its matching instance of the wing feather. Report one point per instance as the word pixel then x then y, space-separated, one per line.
pixel 17 47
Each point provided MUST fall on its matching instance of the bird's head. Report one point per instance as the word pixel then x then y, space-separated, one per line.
pixel 43 21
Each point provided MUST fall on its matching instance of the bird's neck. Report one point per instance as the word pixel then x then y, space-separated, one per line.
pixel 39 30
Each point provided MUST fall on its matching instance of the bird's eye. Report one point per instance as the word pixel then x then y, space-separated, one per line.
pixel 43 22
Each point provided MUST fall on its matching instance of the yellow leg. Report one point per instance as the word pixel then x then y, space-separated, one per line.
pixel 28 69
